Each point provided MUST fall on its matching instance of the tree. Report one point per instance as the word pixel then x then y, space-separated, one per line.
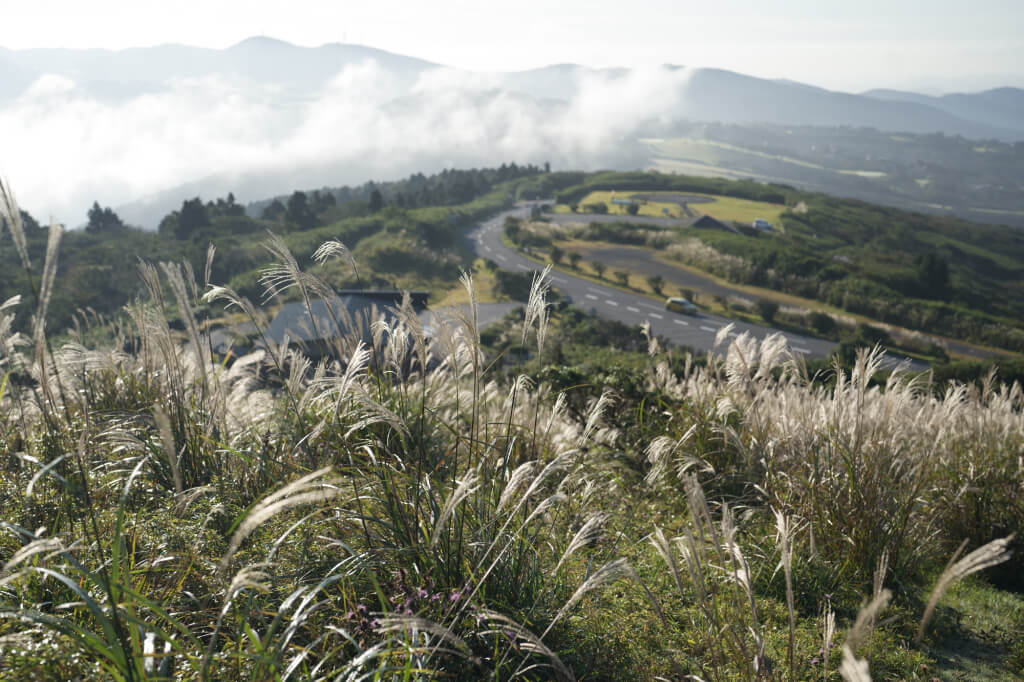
pixel 657 284
pixel 933 275
pixel 376 200
pixel 622 276
pixel 599 268
pixel 574 260
pixel 821 322
pixel 102 219
pixel 274 210
pixel 299 212
pixel 513 226
pixel 556 254
pixel 633 208
pixel 767 310
pixel 192 217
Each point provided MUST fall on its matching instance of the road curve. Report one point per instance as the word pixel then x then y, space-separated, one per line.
pixel 697 332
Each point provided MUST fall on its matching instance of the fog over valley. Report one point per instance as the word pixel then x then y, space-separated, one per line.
pixel 141 129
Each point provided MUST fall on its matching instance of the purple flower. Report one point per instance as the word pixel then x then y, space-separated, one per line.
pixel 456 595
pixel 422 593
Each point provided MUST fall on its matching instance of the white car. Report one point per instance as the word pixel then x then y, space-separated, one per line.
pixel 680 305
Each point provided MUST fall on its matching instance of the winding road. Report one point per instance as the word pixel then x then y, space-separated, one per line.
pixel 697 332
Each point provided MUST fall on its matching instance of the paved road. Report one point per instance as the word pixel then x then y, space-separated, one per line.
pixel 696 332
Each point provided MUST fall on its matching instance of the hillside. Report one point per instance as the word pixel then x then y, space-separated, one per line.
pixel 432 506
pixel 934 274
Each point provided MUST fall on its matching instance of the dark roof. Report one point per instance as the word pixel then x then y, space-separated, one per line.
pixel 294 320
pixel 706 221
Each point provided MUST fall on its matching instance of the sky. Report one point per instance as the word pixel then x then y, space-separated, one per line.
pixel 63 146
pixel 931 46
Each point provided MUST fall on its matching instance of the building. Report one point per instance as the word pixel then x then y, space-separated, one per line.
pixel 706 222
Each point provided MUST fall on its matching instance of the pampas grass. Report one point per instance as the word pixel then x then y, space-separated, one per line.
pixel 400 509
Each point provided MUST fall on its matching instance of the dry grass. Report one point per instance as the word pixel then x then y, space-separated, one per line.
pixel 400 510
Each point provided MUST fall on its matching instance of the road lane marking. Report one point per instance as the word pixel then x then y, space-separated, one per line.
pixel 521 266
pixel 560 280
pixel 501 256
pixel 653 307
pixel 596 291
pixel 682 322
pixel 802 350
pixel 708 329
pixel 610 302
pixel 487 249
pixel 591 296
pixel 656 316
pixel 632 309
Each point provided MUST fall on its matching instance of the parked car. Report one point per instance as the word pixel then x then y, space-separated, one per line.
pixel 680 305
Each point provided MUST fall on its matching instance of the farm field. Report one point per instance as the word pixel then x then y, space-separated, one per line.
pixel 720 207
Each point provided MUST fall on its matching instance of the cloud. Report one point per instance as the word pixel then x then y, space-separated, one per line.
pixel 64 146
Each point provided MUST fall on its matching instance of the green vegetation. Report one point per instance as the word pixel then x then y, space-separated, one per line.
pixel 522 502
pixel 411 239
pixel 932 274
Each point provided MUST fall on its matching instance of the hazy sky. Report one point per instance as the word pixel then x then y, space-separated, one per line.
pixel 929 45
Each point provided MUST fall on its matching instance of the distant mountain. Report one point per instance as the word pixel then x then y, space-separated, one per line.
pixel 261 60
pixel 716 95
pixel 272 116
pixel 1001 107
pixel 708 94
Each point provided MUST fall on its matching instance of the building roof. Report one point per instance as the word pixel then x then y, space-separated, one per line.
pixel 706 221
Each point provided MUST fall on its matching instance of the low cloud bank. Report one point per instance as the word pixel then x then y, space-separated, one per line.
pixel 64 147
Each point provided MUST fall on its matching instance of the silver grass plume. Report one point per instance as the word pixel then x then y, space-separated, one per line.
pixel 10 215
pixel 49 275
pixel 461 492
pixel 310 489
pixel 417 624
pixel 208 268
pixel 986 556
pixel 611 572
pixel 854 669
pixel 589 532
pixel 163 423
pixel 529 642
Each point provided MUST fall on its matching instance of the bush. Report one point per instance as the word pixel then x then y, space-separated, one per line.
pixel 767 310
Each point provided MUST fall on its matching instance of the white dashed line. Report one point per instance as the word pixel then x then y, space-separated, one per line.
pixel 609 302
pixel 488 249
pixel 648 305
pixel 560 280
pixel 501 256
pixel 802 350
pixel 708 329
pixel 592 297
pixel 682 322
pixel 521 266
pixel 596 291
pixel 632 309
pixel 656 316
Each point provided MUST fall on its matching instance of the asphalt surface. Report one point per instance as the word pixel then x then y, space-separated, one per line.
pixel 697 332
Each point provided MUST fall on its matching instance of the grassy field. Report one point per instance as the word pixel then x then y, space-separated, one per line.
pixel 722 207
pixel 654 209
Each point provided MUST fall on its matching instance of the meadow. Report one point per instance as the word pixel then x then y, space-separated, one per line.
pixel 421 507
pixel 724 208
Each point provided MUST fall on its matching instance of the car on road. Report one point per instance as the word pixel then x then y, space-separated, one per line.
pixel 680 305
